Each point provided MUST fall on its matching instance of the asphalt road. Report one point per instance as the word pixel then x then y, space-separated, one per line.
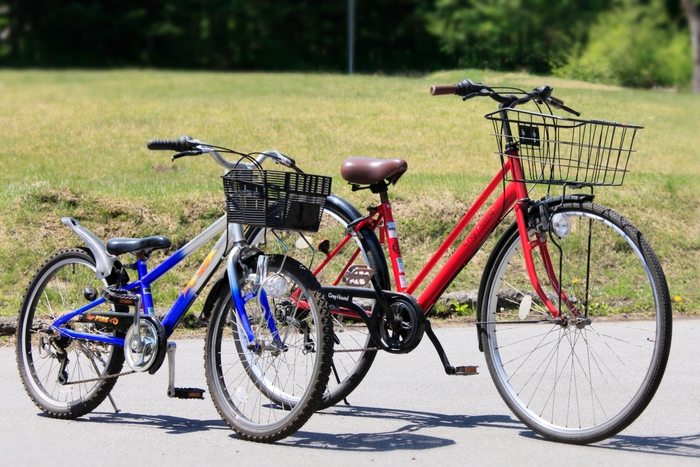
pixel 406 411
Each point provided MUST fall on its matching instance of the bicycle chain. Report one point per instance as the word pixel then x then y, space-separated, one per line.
pixel 126 373
pixel 101 378
pixel 355 350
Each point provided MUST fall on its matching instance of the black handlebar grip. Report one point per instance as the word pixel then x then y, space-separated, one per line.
pixel 464 88
pixel 443 90
pixel 556 102
pixel 570 110
pixel 183 143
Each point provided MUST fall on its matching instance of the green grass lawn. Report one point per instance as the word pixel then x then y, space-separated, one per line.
pixel 73 143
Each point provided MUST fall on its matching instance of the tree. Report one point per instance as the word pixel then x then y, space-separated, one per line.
pixel 511 34
pixel 216 34
pixel 693 13
pixel 637 43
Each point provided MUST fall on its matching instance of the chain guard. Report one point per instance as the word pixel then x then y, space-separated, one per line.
pixel 152 356
pixel 401 334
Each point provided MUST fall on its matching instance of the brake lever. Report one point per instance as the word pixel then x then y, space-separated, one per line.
pixel 191 152
pixel 481 93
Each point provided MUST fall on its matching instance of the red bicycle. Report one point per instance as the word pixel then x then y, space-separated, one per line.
pixel 573 309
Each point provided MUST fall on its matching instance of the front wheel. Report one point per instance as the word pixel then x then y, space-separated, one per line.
pixel 267 389
pixel 590 373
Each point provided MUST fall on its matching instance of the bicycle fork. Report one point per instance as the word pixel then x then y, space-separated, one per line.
pixel 539 245
pixel 235 279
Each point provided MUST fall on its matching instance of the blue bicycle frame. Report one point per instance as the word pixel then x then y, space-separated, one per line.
pixel 228 246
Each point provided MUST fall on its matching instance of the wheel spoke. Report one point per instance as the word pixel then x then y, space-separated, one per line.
pixel 351 367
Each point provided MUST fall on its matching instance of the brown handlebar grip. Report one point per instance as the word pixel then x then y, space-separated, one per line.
pixel 443 90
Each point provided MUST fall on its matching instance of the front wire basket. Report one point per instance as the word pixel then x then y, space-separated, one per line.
pixel 557 150
pixel 275 199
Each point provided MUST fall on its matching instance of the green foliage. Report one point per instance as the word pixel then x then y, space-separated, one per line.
pixel 461 309
pixel 510 34
pixel 679 305
pixel 4 29
pixel 640 43
pixel 635 44
pixel 452 308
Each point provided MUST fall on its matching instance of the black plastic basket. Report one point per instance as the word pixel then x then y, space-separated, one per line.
pixel 275 199
pixel 558 150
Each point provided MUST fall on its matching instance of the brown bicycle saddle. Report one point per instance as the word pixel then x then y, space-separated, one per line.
pixel 368 171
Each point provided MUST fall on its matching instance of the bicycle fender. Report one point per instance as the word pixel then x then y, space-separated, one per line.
pixel 553 202
pixel 105 261
pixel 340 203
pixel 572 198
pixel 373 247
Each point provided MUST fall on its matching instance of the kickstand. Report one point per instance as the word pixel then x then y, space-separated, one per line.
pixel 114 405
pixel 94 365
pixel 337 378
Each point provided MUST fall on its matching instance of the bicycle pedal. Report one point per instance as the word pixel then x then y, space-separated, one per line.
pixel 187 393
pixel 120 296
pixel 466 370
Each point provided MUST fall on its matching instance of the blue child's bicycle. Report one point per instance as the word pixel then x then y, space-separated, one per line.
pixel 269 342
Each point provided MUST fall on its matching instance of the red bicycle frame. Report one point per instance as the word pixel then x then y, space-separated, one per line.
pixel 514 196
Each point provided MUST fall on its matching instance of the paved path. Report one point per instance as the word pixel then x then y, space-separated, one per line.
pixel 402 413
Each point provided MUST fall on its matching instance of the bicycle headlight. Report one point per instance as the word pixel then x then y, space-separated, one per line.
pixel 276 286
pixel 561 225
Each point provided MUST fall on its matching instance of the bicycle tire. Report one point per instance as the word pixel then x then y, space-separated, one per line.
pixel 267 394
pixel 57 288
pixel 351 360
pixel 583 381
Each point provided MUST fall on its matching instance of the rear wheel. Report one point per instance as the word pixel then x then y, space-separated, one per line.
pixel 62 375
pixel 352 358
pixel 586 376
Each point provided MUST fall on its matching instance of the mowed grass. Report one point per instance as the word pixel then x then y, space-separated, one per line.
pixel 73 144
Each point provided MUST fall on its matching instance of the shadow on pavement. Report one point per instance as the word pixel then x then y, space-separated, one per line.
pixel 676 446
pixel 173 425
pixel 403 438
